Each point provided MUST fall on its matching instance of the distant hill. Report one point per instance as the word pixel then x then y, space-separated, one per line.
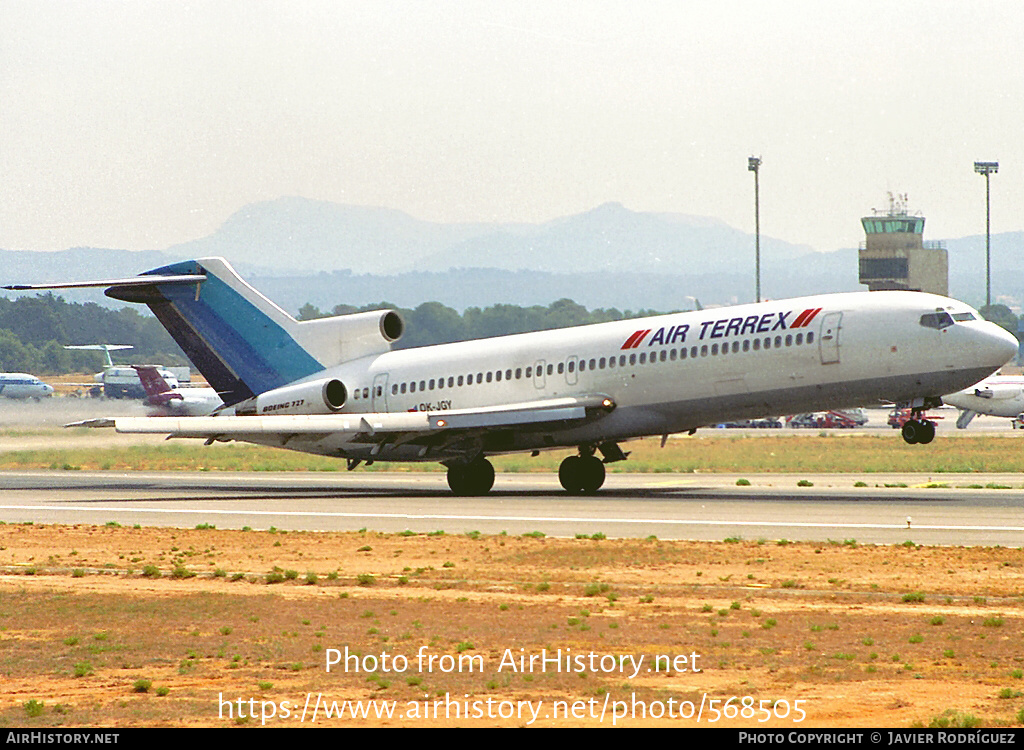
pixel 298 251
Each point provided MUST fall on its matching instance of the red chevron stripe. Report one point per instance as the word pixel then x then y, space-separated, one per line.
pixel 631 339
pixel 811 317
pixel 800 319
pixel 643 335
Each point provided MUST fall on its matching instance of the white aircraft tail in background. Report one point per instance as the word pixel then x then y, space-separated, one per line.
pixel 335 387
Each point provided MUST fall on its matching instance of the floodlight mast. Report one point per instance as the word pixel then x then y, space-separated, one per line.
pixel 987 168
pixel 753 165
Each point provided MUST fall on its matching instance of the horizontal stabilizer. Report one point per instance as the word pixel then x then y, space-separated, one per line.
pixel 132 281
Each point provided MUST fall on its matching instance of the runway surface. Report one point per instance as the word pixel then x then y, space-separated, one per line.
pixel 668 506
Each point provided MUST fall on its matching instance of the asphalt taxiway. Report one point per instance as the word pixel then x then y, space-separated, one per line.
pixel 946 509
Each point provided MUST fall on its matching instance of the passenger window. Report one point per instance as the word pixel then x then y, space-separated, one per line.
pixel 551 369
pixel 519 373
pixel 672 355
pixel 746 345
pixel 611 362
pixel 394 389
pixel 431 384
pixel 497 376
pixel 622 360
pixel 632 359
pixel 480 378
pixel 704 350
pixel 489 377
pixel 810 337
pixel 789 339
pixel 601 363
pixel 592 363
pixel 403 387
pixel 714 349
pixel 561 368
pixel 799 339
pixel 508 374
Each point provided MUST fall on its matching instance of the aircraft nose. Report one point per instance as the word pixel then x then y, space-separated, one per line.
pixel 1002 344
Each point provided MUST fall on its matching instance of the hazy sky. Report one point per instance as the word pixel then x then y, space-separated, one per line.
pixel 142 124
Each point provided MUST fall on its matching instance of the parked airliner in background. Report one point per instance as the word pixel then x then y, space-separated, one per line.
pixel 998 396
pixel 334 387
pixel 118 381
pixel 166 400
pixel 21 385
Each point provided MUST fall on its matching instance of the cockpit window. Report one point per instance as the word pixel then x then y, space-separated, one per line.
pixel 937 320
pixel 959 317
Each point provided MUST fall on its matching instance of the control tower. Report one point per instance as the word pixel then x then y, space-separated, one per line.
pixel 894 255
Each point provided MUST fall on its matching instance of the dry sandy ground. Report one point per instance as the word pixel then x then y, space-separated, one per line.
pixel 440 630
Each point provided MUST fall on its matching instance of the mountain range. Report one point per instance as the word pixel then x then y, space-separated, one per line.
pixel 298 251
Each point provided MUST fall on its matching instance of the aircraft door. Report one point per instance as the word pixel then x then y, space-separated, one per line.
pixel 828 338
pixel 570 370
pixel 538 374
pixel 380 392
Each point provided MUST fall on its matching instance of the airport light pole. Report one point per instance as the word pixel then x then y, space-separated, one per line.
pixel 987 168
pixel 753 165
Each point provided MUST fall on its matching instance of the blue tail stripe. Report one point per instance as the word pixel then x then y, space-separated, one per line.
pixel 254 347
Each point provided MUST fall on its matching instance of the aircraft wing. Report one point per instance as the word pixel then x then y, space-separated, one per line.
pixel 383 424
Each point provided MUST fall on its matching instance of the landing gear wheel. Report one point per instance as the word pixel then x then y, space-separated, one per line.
pixel 928 432
pixel 581 475
pixel 474 478
pixel 918 431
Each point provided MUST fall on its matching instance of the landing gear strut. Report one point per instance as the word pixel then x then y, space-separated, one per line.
pixel 581 475
pixel 918 430
pixel 474 478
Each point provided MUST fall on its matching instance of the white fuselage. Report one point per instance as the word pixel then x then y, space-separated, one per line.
pixel 998 396
pixel 677 372
pixel 20 385
pixel 185 402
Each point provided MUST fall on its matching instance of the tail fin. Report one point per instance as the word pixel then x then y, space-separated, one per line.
pixel 152 381
pixel 240 341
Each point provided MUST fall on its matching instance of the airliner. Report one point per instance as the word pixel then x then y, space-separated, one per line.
pixel 21 385
pixel 168 399
pixel 999 396
pixel 335 387
pixel 119 381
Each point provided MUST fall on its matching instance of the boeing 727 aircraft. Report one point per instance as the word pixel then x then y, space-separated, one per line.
pixel 334 386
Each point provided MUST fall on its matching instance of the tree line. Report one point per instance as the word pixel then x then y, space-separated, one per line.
pixel 34 331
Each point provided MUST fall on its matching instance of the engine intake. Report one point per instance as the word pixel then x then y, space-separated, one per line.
pixel 315 397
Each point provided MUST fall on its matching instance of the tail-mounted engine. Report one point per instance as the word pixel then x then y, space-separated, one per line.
pixel 315 397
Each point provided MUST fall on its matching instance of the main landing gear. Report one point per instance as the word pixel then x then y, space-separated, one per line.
pixel 474 478
pixel 584 474
pixel 918 430
pixel 581 475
